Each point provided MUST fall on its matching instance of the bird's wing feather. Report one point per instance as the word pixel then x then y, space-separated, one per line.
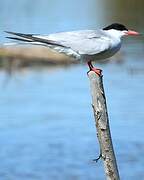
pixel 83 42
pixel 88 42
pixel 32 38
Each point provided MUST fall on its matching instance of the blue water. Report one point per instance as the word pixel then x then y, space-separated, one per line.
pixel 47 129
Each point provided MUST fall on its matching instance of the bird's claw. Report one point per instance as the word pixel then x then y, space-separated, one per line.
pixel 92 68
pixel 97 71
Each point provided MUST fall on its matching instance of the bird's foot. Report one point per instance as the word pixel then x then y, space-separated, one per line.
pixel 92 68
pixel 97 71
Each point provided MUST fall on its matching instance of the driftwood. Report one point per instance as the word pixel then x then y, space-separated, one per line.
pixel 102 126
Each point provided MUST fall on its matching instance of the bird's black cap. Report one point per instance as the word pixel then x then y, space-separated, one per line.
pixel 116 26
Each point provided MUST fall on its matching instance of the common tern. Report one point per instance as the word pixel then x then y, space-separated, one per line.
pixel 83 45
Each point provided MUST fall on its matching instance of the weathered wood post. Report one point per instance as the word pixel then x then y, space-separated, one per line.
pixel 102 126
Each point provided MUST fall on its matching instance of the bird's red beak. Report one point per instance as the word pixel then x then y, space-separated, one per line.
pixel 132 33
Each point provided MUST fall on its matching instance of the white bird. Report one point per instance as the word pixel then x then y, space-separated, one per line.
pixel 83 45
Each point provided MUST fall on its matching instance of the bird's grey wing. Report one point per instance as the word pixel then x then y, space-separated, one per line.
pixel 54 41
pixel 88 42
pixel 91 46
pixel 32 38
pixel 74 43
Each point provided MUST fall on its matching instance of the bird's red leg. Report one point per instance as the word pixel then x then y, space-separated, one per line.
pixel 92 68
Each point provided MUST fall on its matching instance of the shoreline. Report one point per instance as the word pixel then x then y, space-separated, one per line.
pixel 32 55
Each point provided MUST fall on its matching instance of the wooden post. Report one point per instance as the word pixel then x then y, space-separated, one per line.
pixel 102 126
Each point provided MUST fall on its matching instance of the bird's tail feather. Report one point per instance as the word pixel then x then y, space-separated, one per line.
pixel 19 39
pixel 33 38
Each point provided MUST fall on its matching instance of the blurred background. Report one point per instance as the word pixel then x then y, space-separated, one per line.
pixel 47 128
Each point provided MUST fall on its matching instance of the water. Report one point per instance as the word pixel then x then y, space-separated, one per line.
pixel 47 127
